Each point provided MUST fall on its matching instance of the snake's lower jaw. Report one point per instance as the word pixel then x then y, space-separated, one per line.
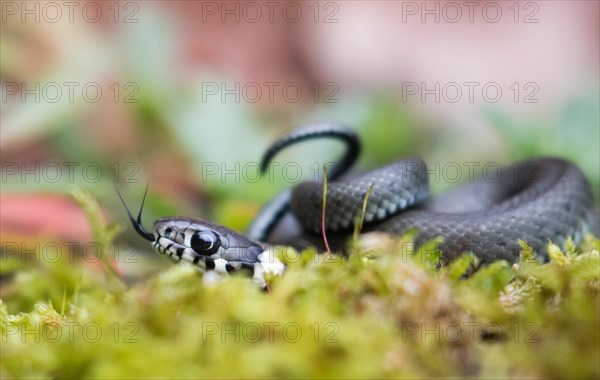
pixel 267 265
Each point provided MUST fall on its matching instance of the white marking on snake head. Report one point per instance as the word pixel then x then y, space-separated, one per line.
pixel 268 264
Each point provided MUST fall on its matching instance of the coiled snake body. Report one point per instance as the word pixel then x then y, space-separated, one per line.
pixel 539 200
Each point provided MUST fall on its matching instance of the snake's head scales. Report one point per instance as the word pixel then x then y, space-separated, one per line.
pixel 203 243
pixel 212 247
pixel 208 246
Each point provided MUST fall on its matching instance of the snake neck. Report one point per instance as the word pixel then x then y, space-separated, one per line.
pixel 268 264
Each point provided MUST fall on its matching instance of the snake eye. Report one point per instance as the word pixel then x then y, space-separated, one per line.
pixel 205 242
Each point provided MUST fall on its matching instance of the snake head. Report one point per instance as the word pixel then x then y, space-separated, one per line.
pixel 212 247
pixel 204 244
pixel 207 246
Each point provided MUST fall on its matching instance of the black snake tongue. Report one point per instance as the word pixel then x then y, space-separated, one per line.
pixel 537 201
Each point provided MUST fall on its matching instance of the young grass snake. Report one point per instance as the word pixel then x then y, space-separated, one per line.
pixel 538 200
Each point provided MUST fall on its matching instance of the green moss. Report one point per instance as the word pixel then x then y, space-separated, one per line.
pixel 386 311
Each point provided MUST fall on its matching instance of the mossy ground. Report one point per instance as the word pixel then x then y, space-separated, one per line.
pixel 385 311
